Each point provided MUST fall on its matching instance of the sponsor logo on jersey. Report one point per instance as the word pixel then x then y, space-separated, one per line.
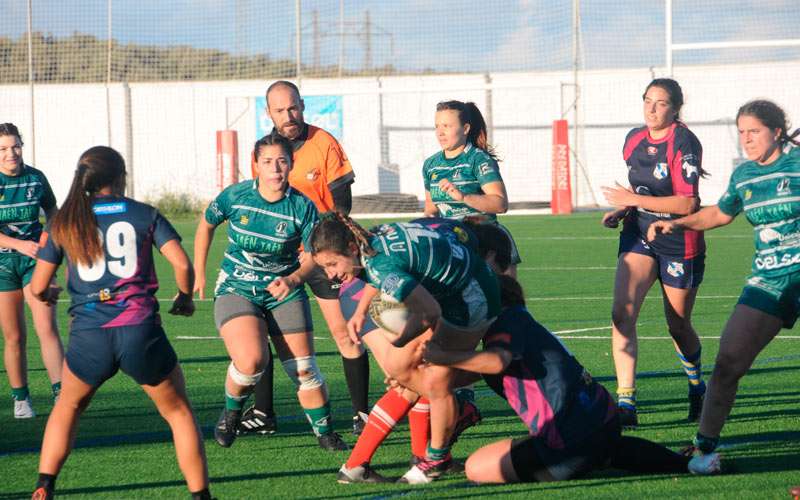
pixel 110 208
pixel 214 207
pixel 652 150
pixel 457 174
pixel 29 193
pixel 748 194
pixel 444 208
pixel 281 228
pixel 391 284
pixel 104 295
pixel 768 234
pixel 675 269
pixel 243 220
pixel 660 171
pixel 783 187
pixel 461 234
pixel 312 175
pixel 485 168
pixel 642 190
pixel 434 176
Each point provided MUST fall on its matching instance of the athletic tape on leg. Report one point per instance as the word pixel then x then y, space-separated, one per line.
pixel 303 371
pixel 243 379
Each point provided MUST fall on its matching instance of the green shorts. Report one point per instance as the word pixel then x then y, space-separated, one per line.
pixel 478 302
pixel 16 271
pixel 778 296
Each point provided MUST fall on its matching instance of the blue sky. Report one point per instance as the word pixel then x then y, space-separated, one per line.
pixel 487 35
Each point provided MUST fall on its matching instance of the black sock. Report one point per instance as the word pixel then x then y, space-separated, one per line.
pixel 203 494
pixel 46 481
pixel 263 389
pixel 356 372
pixel 642 456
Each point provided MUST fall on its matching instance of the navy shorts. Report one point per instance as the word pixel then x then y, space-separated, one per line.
pixel 534 461
pixel 142 351
pixel 674 272
pixel 349 295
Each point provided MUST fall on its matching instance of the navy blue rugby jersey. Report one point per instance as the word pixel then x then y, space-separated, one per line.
pixel 119 288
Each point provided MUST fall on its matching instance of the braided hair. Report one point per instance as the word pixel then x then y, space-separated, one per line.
pixel 336 232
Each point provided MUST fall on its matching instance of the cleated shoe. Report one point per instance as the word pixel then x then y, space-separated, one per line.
pixel 427 470
pixel 225 430
pixel 361 474
pixel 695 407
pixel 332 442
pixel 257 422
pixel 359 422
pixel 705 464
pixel 628 419
pixel 23 408
pixel 469 416
pixel 456 466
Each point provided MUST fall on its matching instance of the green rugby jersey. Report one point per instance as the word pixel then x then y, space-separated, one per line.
pixel 769 196
pixel 468 172
pixel 409 254
pixel 21 197
pixel 264 239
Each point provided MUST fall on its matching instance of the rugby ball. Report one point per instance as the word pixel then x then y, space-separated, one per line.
pixel 388 313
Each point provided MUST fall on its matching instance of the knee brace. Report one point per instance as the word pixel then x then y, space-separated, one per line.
pixel 242 379
pixel 303 372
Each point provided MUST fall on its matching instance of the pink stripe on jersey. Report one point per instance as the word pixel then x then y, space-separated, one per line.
pixel 692 240
pixel 633 142
pixel 528 401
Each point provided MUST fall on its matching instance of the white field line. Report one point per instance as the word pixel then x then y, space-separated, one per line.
pixel 616 237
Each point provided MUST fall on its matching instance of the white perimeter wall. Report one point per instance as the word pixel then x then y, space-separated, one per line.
pixel 174 149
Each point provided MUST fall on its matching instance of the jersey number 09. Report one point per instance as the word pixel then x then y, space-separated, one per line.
pixel 119 257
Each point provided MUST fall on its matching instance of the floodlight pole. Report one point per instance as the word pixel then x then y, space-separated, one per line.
pixel 108 78
pixel 668 34
pixel 298 38
pixel 30 82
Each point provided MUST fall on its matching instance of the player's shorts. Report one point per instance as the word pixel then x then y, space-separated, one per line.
pixel 289 317
pixel 477 303
pixel 779 296
pixel 16 271
pixel 534 461
pixel 142 352
pixel 674 272
pixel 349 295
pixel 321 286
pixel 515 258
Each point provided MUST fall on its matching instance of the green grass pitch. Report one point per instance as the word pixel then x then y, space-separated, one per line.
pixel 123 448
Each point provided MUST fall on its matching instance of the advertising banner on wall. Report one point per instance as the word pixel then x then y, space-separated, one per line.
pixel 323 111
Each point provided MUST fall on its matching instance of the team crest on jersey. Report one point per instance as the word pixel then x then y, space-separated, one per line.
pixel 748 194
pixel 434 176
pixel 652 150
pixel 29 193
pixel 281 228
pixel 391 284
pixel 243 220
pixel 461 235
pixel 783 187
pixel 660 171
pixel 675 269
pixel 104 295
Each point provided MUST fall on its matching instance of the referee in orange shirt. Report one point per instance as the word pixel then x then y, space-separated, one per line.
pixel 323 173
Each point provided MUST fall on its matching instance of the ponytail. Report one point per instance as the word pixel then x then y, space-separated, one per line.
pixel 74 227
pixel 336 232
pixel 511 293
pixel 468 113
pixel 793 138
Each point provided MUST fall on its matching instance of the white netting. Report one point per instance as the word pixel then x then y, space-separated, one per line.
pixel 175 72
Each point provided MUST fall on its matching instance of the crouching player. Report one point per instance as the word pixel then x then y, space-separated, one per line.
pixel 572 419
pixel 108 242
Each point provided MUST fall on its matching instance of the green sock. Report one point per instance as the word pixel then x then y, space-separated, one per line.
pixel 320 419
pixel 56 388
pixel 437 453
pixel 20 393
pixel 235 402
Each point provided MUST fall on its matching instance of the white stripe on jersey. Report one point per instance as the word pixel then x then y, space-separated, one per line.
pixel 24 204
pixel 267 212
pixel 449 167
pixel 775 224
pixel 22 185
pixel 430 257
pixel 262 236
pixel 776 201
pixel 760 178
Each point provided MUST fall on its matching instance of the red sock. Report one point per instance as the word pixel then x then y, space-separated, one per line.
pixel 382 419
pixel 419 423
